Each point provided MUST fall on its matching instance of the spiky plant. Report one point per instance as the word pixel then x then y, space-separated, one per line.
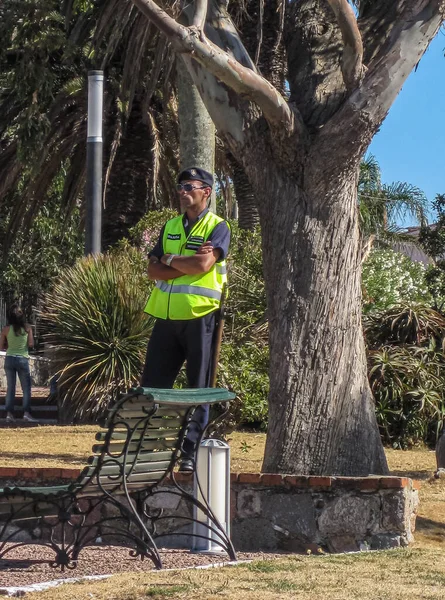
pixel 407 383
pixel 414 323
pixel 97 330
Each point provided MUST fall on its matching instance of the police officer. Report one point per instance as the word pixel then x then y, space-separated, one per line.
pixel 188 264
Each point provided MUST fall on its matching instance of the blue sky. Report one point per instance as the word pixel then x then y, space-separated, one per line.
pixel 410 145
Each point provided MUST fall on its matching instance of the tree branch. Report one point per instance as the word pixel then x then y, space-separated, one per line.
pixel 352 65
pixel 199 17
pixel 245 82
pixel 405 29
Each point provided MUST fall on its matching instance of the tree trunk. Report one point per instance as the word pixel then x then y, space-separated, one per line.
pixel 248 216
pixel 196 128
pixel 321 411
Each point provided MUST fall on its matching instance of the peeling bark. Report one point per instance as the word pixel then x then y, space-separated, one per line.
pixel 352 67
pixel 241 80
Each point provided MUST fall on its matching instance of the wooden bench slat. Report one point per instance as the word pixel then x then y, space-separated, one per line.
pixel 133 413
pixel 162 444
pixel 137 434
pixel 155 423
pixel 109 485
pixel 161 413
pixel 108 469
pixel 187 396
pixel 144 456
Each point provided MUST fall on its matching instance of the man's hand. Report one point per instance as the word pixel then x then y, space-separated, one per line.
pixel 205 248
pixel 157 270
pixel 200 262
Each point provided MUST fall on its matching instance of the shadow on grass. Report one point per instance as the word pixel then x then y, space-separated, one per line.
pixel 67 458
pixel 424 525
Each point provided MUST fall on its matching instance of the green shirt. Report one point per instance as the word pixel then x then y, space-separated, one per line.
pixel 17 344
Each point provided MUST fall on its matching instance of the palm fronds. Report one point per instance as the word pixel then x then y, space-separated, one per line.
pixel 382 206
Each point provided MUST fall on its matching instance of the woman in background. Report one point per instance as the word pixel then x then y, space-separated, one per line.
pixel 16 338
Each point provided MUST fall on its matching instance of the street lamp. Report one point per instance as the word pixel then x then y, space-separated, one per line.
pixel 93 191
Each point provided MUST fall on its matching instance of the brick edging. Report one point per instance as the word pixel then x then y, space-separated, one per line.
pixel 48 473
pixel 264 479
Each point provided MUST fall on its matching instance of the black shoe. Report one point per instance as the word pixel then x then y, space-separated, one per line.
pixel 186 465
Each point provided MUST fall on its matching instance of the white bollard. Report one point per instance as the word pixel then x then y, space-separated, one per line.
pixel 213 474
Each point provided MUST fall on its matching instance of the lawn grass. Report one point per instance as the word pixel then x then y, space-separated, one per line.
pixel 392 575
pixel 417 572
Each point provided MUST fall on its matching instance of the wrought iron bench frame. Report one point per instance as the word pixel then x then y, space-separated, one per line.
pixel 140 446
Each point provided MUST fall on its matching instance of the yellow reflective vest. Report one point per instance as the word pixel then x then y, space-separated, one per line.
pixel 189 296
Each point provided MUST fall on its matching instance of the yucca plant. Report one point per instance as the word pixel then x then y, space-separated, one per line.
pixel 97 330
pixel 407 383
pixel 414 323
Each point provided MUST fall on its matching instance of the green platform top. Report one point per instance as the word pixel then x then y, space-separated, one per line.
pixel 186 396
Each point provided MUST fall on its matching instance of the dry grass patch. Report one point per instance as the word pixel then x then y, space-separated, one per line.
pixel 70 446
pixel 394 575
pixel 48 446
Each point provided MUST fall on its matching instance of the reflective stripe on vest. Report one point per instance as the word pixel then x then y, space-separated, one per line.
pixel 188 289
pixel 188 296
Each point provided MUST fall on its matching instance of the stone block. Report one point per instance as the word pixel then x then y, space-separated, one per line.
pixel 248 503
pixel 291 514
pixel 250 535
pixel 164 500
pixel 396 511
pixel 349 515
pixel 385 541
pixel 343 543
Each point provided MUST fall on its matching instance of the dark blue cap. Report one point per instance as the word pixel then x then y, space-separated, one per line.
pixel 196 174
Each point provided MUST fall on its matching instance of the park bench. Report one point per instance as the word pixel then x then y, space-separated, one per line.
pixel 137 451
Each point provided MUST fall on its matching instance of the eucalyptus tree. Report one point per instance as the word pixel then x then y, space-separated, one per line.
pixel 302 157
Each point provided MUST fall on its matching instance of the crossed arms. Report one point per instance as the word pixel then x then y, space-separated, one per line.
pixel 201 262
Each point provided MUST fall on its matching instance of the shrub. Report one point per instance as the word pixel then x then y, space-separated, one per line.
pixel 145 234
pixel 413 323
pixel 407 383
pixel 244 360
pixel 389 278
pixel 407 372
pixel 244 369
pixel 98 330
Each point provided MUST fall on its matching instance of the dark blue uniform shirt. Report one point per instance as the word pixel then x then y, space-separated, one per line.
pixel 220 238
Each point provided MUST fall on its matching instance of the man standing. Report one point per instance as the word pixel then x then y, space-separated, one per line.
pixel 188 264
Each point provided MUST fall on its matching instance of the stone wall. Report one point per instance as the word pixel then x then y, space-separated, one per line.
pixel 38 367
pixel 334 514
pixel 288 513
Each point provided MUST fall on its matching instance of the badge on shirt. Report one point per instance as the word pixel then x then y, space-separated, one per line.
pixel 194 242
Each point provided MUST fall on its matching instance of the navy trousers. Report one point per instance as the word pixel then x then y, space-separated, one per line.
pixel 170 345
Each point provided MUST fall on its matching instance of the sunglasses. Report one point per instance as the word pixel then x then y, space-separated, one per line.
pixel 188 187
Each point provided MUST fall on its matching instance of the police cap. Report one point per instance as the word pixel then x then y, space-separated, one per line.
pixel 196 174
